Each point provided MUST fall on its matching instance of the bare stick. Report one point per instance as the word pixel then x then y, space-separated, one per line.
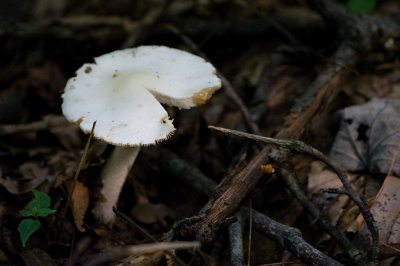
pixel 356 255
pixel 187 173
pixel 145 233
pixel 302 148
pixel 236 241
pixel 250 231
pixel 291 239
pixel 48 122
pixel 82 161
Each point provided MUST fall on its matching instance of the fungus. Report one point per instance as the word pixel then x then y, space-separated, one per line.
pixel 123 91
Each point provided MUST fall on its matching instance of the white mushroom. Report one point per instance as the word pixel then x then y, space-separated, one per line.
pixel 122 91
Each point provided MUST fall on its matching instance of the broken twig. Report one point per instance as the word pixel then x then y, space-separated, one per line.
pixel 302 148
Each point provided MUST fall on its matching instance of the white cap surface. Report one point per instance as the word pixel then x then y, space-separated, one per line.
pixel 122 91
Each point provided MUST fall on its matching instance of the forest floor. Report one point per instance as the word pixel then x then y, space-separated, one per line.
pixel 292 70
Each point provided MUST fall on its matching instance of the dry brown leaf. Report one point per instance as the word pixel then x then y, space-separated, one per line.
pixel 386 211
pixel 80 204
pixel 319 179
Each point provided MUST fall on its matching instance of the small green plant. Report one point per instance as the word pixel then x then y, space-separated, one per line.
pixel 361 5
pixel 38 207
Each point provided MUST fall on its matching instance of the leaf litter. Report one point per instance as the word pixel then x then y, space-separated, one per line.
pixel 369 137
pixel 58 160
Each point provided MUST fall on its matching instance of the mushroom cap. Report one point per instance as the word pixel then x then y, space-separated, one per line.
pixel 123 91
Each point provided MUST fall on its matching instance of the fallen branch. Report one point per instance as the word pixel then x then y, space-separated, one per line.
pixel 291 239
pixel 236 241
pixel 262 223
pixel 356 255
pixel 302 148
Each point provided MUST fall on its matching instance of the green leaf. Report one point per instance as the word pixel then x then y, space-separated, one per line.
pixel 26 213
pixel 26 228
pixel 42 200
pixel 43 212
pixel 361 5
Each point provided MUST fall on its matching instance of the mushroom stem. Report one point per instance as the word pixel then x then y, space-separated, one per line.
pixel 113 177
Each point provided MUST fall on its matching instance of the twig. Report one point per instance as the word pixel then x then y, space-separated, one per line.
pixel 192 176
pixel 302 148
pixel 369 219
pixel 78 170
pixel 250 231
pixel 123 252
pixel 48 122
pixel 145 233
pixel 181 164
pixel 336 191
pixel 236 241
pixel 356 255
pixel 291 239
pixel 81 246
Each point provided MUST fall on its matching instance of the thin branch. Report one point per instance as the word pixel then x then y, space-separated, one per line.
pixel 78 171
pixel 48 122
pixel 302 148
pixel 146 234
pixel 356 255
pixel 291 239
pixel 336 191
pixel 187 178
pixel 236 241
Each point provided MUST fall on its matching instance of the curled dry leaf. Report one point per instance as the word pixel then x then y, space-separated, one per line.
pixel 369 137
pixel 80 204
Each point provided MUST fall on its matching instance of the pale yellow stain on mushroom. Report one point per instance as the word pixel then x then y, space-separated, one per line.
pixel 202 96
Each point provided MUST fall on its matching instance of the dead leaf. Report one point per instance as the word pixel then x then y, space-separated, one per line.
pixel 369 137
pixel 151 213
pixel 319 179
pixel 36 256
pixel 385 210
pixel 33 176
pixel 80 204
